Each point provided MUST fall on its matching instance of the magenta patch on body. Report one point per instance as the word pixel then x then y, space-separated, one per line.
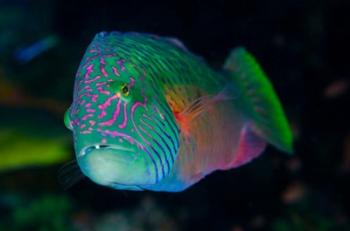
pixel 114 117
pixel 90 110
pixel 115 134
pixel 82 102
pixel 75 122
pixel 137 104
pixel 115 71
pixel 92 80
pixel 99 84
pixel 132 82
pixel 94 98
pixel 87 88
pixel 133 108
pixel 102 67
pixel 107 102
pixel 85 117
pixel 121 64
pixel 125 119
pixel 250 147
pixel 88 71
pixel 131 140
pixel 102 114
pixel 102 91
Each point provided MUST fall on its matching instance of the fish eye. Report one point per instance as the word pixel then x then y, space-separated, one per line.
pixel 125 89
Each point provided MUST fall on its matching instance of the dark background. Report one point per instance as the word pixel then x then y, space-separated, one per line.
pixel 302 45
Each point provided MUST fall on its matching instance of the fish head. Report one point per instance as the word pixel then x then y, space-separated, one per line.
pixel 124 133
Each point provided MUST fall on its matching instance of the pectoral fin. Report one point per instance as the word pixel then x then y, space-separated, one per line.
pixel 197 107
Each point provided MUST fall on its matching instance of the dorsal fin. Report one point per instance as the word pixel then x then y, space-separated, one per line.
pixel 176 42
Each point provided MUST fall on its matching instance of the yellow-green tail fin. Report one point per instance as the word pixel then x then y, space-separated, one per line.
pixel 259 100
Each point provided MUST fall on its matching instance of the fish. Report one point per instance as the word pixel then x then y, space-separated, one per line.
pixel 26 54
pixel 147 114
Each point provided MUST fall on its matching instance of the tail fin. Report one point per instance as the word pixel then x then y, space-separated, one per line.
pixel 260 102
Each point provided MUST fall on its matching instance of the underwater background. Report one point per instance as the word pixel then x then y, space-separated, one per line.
pixel 303 47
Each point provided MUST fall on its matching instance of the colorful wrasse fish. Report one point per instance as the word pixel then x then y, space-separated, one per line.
pixel 149 115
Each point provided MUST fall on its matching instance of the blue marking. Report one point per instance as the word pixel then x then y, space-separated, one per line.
pixel 154 164
pixel 160 159
pixel 27 54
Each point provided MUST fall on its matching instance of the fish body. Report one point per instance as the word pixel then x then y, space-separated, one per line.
pixel 149 115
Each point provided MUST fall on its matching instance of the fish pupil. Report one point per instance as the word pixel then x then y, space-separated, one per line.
pixel 125 90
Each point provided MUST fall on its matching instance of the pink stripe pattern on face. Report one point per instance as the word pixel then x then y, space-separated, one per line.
pixel 102 114
pixel 85 117
pixel 107 102
pixel 119 134
pixel 102 67
pixel 115 71
pixel 97 107
pixel 133 109
pixel 105 105
pixel 121 64
pixel 114 117
pixel 94 98
pixel 132 82
pixel 88 71
pixel 102 91
pixel 92 80
pixel 125 119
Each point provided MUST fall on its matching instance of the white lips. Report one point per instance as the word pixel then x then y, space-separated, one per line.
pixel 83 152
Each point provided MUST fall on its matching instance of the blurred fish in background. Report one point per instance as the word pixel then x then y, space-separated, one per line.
pixel 26 54
pixel 31 131
pixel 28 136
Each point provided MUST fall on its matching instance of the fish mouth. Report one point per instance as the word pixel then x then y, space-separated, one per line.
pixel 115 165
pixel 109 163
pixel 104 147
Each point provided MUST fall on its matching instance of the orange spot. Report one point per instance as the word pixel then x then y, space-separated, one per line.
pixel 184 123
